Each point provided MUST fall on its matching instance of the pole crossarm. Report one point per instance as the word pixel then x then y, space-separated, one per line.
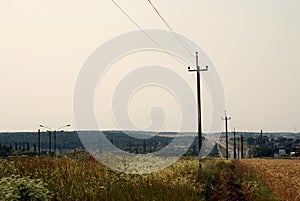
pixel 195 70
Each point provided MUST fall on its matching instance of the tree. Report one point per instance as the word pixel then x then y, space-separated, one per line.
pixel 144 146
pixel 27 146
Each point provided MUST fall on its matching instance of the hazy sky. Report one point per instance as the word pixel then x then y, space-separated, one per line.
pixel 255 46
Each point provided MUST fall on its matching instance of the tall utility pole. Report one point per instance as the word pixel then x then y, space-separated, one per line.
pixel 226 131
pixel 234 144
pixel 39 142
pixel 260 143
pixel 54 138
pixel 198 70
pixel 242 146
pixel 49 142
pixel 238 148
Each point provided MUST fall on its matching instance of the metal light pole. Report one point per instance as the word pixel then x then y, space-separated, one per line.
pixel 198 70
pixel 59 130
pixel 54 135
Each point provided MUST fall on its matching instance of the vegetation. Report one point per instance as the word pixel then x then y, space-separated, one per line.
pixel 23 188
pixel 26 143
pixel 83 178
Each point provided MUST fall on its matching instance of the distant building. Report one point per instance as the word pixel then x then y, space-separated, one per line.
pixel 282 152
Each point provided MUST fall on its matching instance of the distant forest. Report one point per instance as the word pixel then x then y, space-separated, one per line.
pixel 26 143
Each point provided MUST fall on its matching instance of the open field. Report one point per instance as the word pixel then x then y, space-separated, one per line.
pixel 86 179
pixel 282 176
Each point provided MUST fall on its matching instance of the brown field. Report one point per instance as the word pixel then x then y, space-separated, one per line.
pixel 281 176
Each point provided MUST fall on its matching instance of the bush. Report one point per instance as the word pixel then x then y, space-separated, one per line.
pixel 23 188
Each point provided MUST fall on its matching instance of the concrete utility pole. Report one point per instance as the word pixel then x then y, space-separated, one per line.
pixel 234 144
pixel 226 131
pixel 238 148
pixel 198 70
pixel 242 146
pixel 49 142
pixel 260 143
pixel 39 142
pixel 54 138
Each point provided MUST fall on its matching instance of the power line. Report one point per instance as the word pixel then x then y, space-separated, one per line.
pixel 213 91
pixel 140 28
pixel 183 44
pixel 170 28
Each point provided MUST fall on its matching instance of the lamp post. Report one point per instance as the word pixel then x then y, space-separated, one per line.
pixel 54 135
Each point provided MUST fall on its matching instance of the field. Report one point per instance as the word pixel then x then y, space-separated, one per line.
pixel 282 176
pixel 86 179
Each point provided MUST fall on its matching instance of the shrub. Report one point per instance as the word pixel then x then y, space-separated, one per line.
pixel 23 188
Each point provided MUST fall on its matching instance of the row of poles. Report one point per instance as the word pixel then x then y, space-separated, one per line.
pixel 226 118
pixel 49 130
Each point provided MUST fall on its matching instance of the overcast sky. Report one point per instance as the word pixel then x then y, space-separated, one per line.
pixel 255 46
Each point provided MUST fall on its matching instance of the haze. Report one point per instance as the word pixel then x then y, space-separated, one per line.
pixel 255 46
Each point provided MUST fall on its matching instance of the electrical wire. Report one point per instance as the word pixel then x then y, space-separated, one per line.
pixel 180 40
pixel 148 36
pixel 164 50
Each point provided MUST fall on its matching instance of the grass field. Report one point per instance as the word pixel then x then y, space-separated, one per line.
pixel 282 176
pixel 86 179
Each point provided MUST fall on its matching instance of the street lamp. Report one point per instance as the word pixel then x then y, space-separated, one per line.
pixel 54 136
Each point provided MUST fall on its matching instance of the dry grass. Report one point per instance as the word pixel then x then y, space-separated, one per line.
pixel 281 176
pixel 69 179
pixel 86 179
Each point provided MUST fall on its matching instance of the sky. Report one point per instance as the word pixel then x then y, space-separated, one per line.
pixel 254 45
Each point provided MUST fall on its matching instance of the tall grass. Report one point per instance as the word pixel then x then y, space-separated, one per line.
pixel 86 179
pixel 69 179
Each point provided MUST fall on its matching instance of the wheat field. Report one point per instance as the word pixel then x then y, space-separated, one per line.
pixel 281 176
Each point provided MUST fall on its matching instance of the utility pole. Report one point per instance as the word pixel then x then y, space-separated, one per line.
pixel 39 142
pixel 49 132
pixel 238 147
pixel 242 146
pixel 54 137
pixel 226 131
pixel 198 70
pixel 260 143
pixel 234 144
